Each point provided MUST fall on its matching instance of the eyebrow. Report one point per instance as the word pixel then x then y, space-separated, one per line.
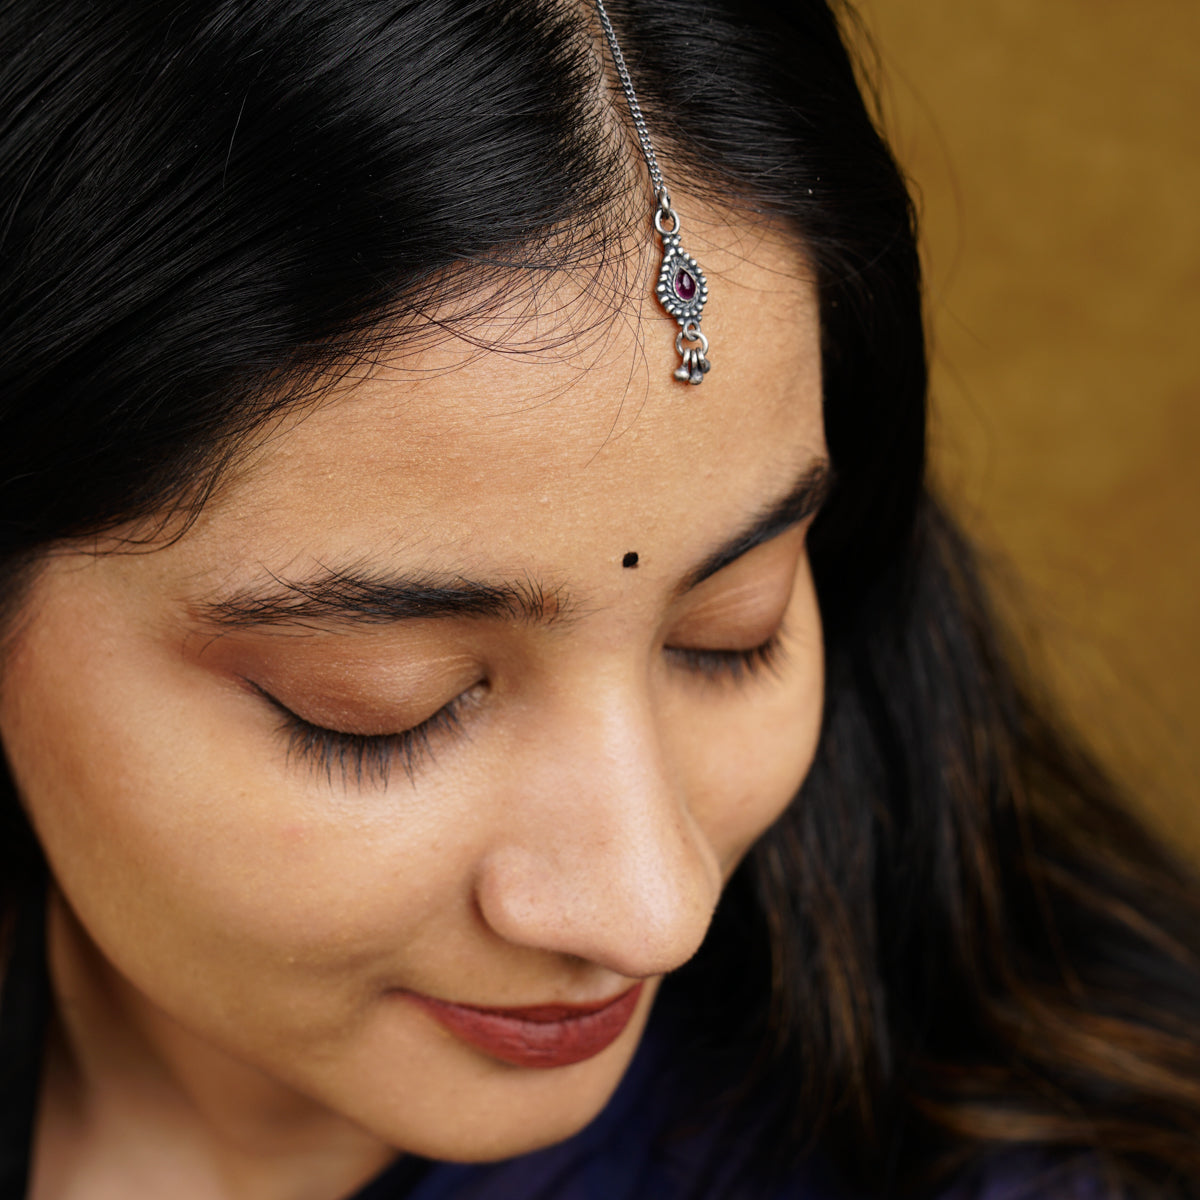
pixel 804 500
pixel 362 596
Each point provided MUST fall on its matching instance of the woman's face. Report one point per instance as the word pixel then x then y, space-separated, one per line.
pixel 397 721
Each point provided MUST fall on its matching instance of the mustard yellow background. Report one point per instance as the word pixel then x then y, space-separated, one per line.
pixel 1055 147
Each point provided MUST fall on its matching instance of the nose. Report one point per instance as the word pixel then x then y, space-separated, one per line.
pixel 598 856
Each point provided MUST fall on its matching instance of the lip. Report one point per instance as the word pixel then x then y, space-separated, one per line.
pixel 539 1035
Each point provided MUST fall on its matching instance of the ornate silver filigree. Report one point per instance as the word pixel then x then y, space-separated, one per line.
pixel 681 288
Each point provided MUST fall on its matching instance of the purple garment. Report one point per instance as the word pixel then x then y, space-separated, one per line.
pixel 1026 1176
pixel 624 1155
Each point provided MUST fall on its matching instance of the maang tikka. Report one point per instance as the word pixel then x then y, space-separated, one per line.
pixel 681 287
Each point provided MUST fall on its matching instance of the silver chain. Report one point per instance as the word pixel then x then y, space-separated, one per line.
pixel 635 110
pixel 681 287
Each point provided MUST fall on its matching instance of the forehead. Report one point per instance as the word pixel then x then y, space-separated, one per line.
pixel 505 456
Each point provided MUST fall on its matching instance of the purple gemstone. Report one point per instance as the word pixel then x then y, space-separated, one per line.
pixel 685 285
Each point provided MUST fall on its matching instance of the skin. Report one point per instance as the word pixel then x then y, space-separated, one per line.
pixel 232 927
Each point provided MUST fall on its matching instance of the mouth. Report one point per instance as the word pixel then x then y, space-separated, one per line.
pixel 541 1035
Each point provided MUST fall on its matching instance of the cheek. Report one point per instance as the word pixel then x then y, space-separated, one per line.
pixel 748 758
pixel 189 848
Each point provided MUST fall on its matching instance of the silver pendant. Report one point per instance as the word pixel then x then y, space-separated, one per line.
pixel 683 291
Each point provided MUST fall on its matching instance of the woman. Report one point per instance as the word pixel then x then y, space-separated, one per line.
pixel 400 663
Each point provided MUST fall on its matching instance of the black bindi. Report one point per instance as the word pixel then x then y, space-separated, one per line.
pixel 630 559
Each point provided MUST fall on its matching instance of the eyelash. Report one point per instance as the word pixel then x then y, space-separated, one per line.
pixel 732 665
pixel 362 758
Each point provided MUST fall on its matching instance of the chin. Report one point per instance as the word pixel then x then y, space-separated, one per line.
pixel 484 1142
pixel 504 1111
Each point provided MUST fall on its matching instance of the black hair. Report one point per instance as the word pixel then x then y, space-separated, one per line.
pixel 954 941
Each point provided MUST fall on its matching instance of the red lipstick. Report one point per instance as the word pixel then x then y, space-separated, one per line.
pixel 541 1035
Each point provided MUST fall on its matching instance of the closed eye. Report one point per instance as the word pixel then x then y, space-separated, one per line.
pixel 731 665
pixel 368 759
